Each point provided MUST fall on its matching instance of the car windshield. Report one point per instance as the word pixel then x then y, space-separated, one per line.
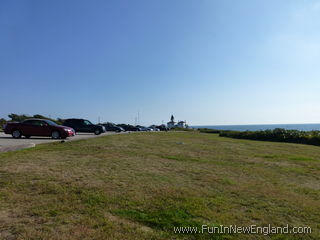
pixel 51 123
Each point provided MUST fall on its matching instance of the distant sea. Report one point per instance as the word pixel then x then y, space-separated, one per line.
pixel 301 127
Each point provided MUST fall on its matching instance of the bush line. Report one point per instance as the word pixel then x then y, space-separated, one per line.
pixel 275 135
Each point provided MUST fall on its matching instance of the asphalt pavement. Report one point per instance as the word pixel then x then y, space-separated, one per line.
pixel 7 143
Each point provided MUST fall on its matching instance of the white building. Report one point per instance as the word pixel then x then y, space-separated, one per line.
pixel 182 124
pixel 171 124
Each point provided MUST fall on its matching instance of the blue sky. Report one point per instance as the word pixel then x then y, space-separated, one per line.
pixel 205 61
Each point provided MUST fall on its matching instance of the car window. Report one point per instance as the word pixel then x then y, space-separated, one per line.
pixel 86 122
pixel 50 123
pixel 43 123
pixel 38 123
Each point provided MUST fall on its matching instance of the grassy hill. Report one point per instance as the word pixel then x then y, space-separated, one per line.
pixel 139 186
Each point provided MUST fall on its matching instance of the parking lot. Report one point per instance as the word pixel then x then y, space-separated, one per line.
pixel 7 143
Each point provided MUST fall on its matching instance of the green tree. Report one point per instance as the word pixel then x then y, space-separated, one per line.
pixel 17 118
pixel 2 122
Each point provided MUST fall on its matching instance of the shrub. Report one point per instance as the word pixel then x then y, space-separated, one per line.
pixel 208 130
pixel 181 129
pixel 277 135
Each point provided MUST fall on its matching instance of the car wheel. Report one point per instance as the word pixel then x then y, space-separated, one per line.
pixel 97 132
pixel 55 135
pixel 27 136
pixel 16 134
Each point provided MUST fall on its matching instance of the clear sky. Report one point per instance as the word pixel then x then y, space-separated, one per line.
pixel 205 61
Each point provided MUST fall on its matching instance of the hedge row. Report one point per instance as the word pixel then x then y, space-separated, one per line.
pixel 277 135
pixel 208 130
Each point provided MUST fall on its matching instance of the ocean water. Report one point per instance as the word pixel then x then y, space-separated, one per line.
pixel 301 127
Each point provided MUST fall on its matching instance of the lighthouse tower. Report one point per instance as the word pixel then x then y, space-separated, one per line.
pixel 172 123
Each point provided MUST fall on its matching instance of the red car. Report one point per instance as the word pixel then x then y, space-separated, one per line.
pixel 38 127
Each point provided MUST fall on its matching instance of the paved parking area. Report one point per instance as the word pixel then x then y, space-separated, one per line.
pixel 7 143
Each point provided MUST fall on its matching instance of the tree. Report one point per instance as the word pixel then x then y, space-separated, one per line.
pixel 59 121
pixel 39 116
pixel 51 119
pixel 2 122
pixel 17 118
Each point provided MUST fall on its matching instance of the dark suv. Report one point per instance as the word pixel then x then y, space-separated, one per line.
pixel 112 128
pixel 83 125
pixel 128 127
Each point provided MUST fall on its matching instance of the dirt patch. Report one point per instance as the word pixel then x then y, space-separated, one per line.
pixel 17 147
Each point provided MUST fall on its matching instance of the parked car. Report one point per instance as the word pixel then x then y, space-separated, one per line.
pixel 128 127
pixel 145 129
pixel 83 125
pixel 38 127
pixel 154 128
pixel 162 127
pixel 112 128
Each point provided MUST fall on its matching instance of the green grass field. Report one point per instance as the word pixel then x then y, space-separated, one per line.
pixel 139 186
